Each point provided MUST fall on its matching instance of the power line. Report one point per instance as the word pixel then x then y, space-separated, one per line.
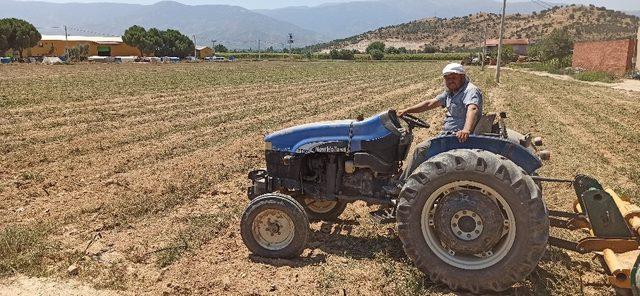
pixel 542 4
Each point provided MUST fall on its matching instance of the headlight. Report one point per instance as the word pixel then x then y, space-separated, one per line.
pixel 268 145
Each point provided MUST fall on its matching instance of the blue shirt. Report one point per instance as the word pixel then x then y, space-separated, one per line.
pixel 457 103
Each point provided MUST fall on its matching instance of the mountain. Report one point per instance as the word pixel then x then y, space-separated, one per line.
pixel 234 26
pixel 582 22
pixel 634 12
pixel 339 20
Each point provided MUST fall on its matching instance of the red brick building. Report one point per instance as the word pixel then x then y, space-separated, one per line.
pixel 520 46
pixel 614 57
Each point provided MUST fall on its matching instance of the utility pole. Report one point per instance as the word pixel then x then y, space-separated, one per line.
pixel 259 49
pixel 290 44
pixel 484 47
pixel 504 9
pixel 66 40
pixel 195 48
pixel 213 48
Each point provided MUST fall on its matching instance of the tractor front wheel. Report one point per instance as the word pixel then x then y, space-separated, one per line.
pixel 471 214
pixel 275 225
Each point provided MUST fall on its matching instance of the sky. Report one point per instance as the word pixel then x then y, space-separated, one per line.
pixel 268 4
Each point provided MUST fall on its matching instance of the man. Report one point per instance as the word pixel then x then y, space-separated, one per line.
pixel 463 101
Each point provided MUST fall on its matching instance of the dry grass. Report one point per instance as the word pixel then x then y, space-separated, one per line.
pixel 155 156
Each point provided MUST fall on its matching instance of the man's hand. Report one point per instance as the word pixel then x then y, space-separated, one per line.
pixel 462 135
pixel 401 112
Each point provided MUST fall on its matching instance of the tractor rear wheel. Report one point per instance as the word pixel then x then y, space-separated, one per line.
pixel 275 225
pixel 472 214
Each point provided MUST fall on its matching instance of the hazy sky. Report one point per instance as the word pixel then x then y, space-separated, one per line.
pixel 254 4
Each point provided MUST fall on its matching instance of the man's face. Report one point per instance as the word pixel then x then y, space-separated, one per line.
pixel 454 81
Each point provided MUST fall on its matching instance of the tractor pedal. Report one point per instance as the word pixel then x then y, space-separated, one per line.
pixel 384 215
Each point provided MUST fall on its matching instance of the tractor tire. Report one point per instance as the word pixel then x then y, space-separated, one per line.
pixel 323 210
pixel 493 194
pixel 275 225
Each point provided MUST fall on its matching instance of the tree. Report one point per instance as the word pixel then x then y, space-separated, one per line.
pixel 392 50
pixel 558 45
pixel 136 36
pixel 343 54
pixel 376 54
pixel 153 41
pixel 508 55
pixel 161 43
pixel 174 43
pixel 222 48
pixel 429 49
pixel 375 45
pixel 18 34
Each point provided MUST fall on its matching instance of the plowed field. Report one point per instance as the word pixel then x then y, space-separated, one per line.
pixel 136 174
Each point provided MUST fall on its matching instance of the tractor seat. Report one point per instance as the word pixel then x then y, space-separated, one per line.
pixel 485 124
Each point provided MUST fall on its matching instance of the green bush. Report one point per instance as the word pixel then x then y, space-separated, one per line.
pixel 376 54
pixel 343 54
pixel 429 49
pixel 508 55
pixel 594 76
pixel 23 250
pixel 377 45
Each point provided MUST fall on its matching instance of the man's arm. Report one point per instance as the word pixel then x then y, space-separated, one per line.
pixel 473 102
pixel 470 121
pixel 421 107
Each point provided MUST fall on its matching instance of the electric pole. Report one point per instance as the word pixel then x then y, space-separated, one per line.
pixel 484 47
pixel 195 48
pixel 290 44
pixel 213 48
pixel 259 50
pixel 504 9
pixel 66 40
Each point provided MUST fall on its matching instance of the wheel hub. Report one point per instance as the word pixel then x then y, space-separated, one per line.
pixel 468 222
pixel 273 229
pixel 466 225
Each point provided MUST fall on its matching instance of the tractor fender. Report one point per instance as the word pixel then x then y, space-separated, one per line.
pixel 520 155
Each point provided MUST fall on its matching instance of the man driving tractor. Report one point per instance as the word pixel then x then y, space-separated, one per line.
pixel 463 101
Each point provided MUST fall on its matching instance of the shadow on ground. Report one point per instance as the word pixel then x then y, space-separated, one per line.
pixel 336 239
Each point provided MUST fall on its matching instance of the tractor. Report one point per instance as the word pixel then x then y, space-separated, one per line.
pixel 470 216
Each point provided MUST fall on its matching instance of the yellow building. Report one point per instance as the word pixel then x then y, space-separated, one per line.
pixel 204 51
pixel 54 45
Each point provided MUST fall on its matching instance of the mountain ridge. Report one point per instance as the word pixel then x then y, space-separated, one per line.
pixel 339 20
pixel 234 26
pixel 582 22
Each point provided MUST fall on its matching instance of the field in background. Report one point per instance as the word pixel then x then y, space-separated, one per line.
pixel 437 56
pixel 136 174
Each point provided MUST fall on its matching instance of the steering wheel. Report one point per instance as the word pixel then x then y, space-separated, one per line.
pixel 413 121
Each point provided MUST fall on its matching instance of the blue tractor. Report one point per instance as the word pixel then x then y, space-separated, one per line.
pixel 470 216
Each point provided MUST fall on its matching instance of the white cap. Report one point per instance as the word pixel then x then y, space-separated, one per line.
pixel 453 68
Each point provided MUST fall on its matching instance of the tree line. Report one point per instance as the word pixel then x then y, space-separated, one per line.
pixel 158 43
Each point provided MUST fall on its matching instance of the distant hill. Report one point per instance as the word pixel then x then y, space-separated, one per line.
pixel 634 12
pixel 583 23
pixel 234 26
pixel 339 20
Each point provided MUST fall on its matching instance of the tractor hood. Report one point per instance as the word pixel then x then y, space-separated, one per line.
pixel 332 136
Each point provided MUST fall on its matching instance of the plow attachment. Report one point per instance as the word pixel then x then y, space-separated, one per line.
pixel 614 230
